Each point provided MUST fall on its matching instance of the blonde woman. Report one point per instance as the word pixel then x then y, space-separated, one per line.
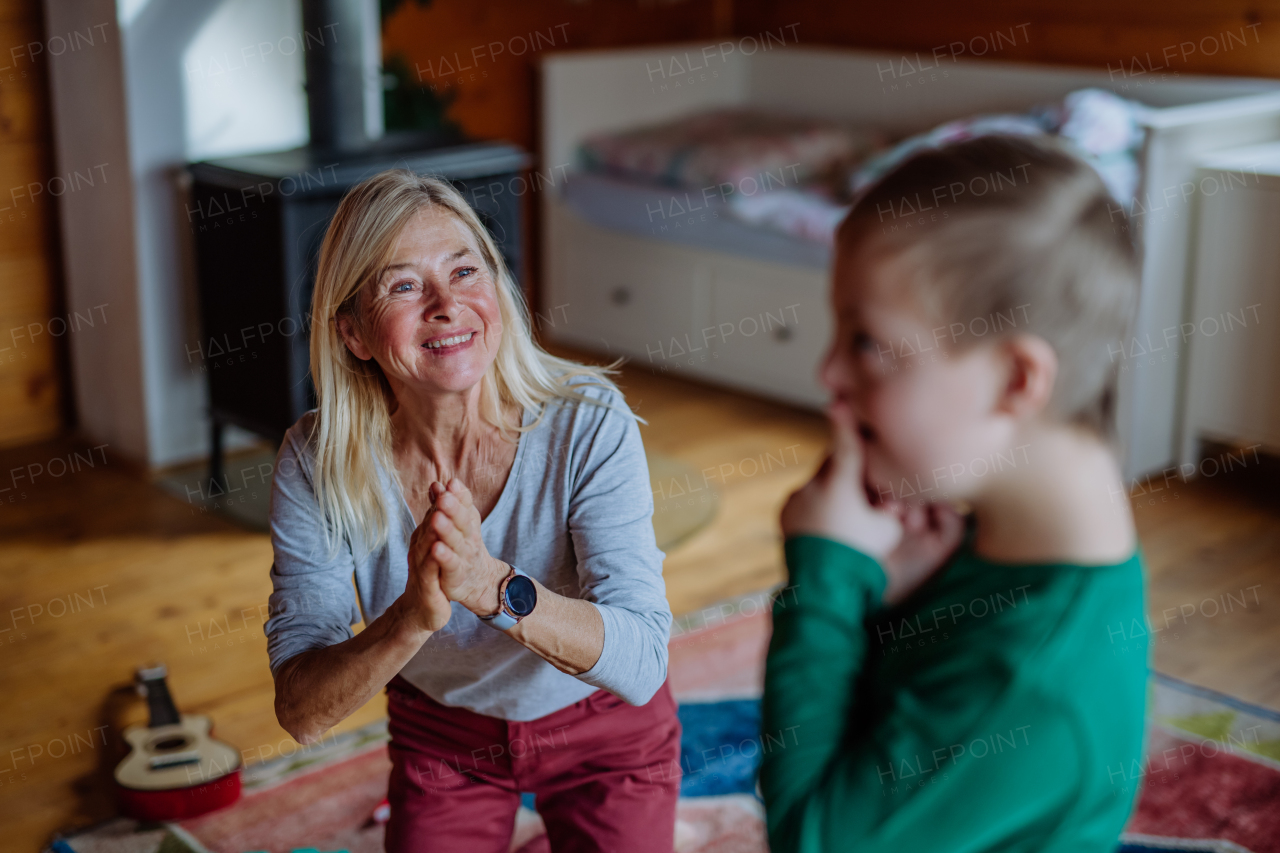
pixel 493 504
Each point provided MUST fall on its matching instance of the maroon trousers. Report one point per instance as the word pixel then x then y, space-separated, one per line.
pixel 595 768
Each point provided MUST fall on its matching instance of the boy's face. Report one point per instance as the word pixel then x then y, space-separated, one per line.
pixel 928 416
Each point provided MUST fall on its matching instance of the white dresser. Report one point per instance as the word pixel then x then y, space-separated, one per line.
pixel 1229 340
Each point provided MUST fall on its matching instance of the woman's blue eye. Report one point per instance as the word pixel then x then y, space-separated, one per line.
pixel 470 270
pixel 400 286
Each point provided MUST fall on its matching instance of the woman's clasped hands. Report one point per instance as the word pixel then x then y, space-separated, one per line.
pixel 448 560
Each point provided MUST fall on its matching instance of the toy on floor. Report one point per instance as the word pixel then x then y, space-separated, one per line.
pixel 175 768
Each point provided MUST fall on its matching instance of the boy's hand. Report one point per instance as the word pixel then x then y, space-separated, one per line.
pixel 834 503
pixel 930 535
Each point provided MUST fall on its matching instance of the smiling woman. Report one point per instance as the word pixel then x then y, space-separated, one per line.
pixel 503 597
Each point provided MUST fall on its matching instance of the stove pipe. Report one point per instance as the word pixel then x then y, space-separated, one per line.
pixel 344 73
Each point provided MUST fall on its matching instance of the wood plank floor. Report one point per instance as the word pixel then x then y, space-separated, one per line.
pixel 102 571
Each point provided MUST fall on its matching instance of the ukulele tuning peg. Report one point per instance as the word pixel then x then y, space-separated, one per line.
pixel 151 673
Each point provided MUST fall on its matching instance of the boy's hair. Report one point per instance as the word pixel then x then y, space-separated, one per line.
pixel 1016 232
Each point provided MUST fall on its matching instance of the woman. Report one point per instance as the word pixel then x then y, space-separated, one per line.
pixel 493 504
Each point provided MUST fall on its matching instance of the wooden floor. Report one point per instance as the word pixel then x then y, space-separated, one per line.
pixel 148 577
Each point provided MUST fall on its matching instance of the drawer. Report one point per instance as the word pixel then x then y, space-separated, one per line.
pixel 769 328
pixel 620 294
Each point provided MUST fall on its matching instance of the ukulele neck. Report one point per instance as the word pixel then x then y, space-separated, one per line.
pixel 152 685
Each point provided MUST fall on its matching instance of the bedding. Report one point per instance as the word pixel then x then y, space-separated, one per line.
pixel 747 150
pixel 694 179
pixel 807 213
pixel 1104 129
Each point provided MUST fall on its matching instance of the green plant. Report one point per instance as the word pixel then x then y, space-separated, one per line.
pixel 389 7
pixel 408 105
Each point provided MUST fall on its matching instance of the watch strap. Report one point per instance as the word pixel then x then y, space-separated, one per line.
pixel 501 620
pixel 504 619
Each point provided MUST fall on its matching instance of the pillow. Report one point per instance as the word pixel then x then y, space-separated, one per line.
pixel 735 150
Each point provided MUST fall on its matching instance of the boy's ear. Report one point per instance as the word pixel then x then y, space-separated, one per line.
pixel 351 337
pixel 1032 367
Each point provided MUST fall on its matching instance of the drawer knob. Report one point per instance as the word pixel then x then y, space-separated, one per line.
pixel 782 334
pixel 621 296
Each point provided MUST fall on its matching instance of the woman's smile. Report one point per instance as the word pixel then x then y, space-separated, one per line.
pixel 450 343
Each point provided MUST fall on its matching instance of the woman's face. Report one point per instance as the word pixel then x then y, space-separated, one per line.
pixel 431 320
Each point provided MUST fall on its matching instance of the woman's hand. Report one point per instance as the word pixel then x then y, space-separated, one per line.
pixel 423 601
pixel 834 503
pixel 468 575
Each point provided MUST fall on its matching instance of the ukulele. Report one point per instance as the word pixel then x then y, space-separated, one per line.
pixel 174 769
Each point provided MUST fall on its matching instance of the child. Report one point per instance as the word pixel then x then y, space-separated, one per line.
pixel 950 689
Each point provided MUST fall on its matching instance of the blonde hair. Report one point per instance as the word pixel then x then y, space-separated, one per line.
pixel 1001 223
pixel 352 432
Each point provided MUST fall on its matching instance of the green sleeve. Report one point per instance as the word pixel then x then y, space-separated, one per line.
pixel 843 781
pixel 816 653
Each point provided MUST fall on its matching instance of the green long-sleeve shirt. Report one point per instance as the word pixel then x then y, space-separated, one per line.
pixel 992 710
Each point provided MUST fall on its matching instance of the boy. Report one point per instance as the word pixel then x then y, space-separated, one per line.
pixel 956 689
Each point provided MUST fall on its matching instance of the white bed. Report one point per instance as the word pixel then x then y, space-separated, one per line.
pixel 756 318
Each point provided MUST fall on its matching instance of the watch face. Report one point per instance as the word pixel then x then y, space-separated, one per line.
pixel 522 595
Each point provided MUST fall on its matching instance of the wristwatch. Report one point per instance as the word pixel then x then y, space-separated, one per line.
pixel 517 596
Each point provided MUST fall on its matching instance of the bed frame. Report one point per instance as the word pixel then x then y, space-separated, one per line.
pixel 761 327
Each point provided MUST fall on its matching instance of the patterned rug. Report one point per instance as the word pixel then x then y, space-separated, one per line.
pixel 1211 776
pixel 1210 780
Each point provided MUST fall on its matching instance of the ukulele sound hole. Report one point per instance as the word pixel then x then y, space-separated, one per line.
pixel 169 743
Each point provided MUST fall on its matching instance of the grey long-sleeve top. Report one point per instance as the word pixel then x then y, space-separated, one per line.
pixel 576 513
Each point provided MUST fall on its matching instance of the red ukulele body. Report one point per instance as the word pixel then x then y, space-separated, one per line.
pixel 175 769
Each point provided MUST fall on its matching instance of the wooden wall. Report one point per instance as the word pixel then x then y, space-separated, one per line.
pixel 30 355
pixel 467 49
pixel 448 41
pixel 1141 39
pixel 31 361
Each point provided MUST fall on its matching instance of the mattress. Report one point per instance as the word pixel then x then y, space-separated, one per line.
pixel 698 219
